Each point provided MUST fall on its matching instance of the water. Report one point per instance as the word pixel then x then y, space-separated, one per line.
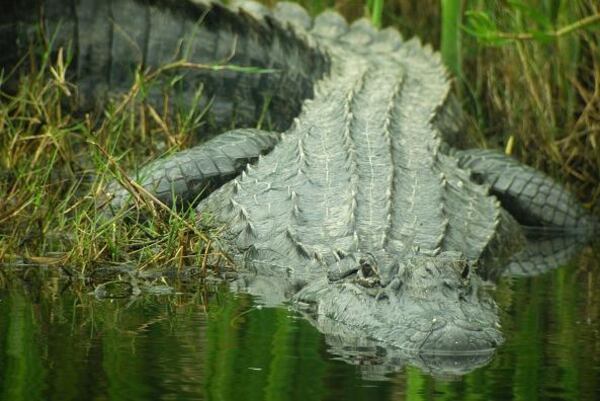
pixel 58 344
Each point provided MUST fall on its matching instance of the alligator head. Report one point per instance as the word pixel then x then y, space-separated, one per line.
pixel 433 307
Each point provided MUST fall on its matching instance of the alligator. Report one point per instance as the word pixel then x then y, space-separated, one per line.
pixel 353 207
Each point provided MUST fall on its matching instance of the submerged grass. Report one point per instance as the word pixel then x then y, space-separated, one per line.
pixel 536 95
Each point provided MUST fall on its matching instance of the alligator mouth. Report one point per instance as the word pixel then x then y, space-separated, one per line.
pixel 447 340
pixel 457 348
pixel 360 348
pixel 453 339
pixel 452 352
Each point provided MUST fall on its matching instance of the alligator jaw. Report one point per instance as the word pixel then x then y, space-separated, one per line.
pixel 377 358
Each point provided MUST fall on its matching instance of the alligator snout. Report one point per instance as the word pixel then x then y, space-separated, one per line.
pixel 453 338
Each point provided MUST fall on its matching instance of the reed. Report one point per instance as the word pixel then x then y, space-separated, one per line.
pixel 375 8
pixel 450 39
pixel 533 85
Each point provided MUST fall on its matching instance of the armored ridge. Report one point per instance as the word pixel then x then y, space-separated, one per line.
pixel 362 171
pixel 358 212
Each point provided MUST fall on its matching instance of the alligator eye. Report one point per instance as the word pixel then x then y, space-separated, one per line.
pixel 465 272
pixel 366 267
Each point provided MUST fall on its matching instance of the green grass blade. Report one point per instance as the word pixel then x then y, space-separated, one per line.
pixel 450 40
pixel 376 12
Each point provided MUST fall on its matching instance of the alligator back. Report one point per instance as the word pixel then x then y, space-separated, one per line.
pixel 363 168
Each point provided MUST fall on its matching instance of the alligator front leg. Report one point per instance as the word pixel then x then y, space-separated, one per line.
pixel 189 175
pixel 532 197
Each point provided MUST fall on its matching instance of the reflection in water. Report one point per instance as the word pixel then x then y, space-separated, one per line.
pixel 217 345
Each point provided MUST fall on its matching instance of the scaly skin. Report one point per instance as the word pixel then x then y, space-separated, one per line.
pixel 360 213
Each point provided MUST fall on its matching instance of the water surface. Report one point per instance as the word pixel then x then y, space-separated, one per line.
pixel 60 344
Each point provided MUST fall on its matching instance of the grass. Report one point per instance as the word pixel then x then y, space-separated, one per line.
pixel 533 90
pixel 54 166
pixel 375 9
pixel 528 77
pixel 450 45
pixel 535 87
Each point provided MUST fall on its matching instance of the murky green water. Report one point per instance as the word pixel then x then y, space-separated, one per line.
pixel 215 345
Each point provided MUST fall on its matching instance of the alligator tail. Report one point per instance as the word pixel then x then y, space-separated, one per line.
pixel 110 39
pixel 533 198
